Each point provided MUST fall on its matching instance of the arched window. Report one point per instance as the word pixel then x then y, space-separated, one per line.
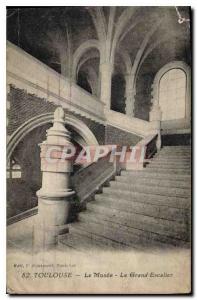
pixel 172 94
pixel 13 170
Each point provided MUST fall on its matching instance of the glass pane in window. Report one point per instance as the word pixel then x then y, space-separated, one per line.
pixel 16 174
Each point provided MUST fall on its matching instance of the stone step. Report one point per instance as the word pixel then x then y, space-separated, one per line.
pixel 173 155
pixel 170 162
pixel 170 201
pixel 177 161
pixel 152 210
pixel 177 147
pixel 155 164
pixel 169 171
pixel 174 150
pixel 113 235
pixel 97 236
pixel 155 181
pixel 139 221
pixel 155 190
pixel 146 174
pixel 81 243
pixel 68 243
pixel 147 236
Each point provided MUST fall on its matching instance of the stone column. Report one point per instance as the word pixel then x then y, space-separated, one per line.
pixel 130 95
pixel 106 70
pixel 55 196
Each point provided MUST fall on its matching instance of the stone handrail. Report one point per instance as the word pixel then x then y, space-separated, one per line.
pixel 145 149
pixel 25 214
pixel 133 125
pixel 89 179
pixel 150 143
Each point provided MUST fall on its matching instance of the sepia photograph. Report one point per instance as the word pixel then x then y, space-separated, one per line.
pixel 99 149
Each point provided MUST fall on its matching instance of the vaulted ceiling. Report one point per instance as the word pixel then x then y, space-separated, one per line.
pixel 74 40
pixel 48 32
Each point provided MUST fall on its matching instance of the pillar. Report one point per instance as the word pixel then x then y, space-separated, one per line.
pixel 106 70
pixel 55 196
pixel 130 95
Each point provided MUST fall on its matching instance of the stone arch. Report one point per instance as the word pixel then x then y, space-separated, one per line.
pixel 121 23
pixel 155 88
pixel 123 54
pixel 80 127
pixel 80 51
pixel 154 45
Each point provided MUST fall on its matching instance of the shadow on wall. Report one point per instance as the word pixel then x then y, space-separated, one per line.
pixel 21 192
pixel 143 97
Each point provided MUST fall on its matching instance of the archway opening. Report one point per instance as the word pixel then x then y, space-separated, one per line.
pixel 118 93
pixel 24 176
pixel 82 81
pixel 87 71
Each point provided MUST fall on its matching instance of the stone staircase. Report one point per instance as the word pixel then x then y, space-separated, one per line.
pixel 146 209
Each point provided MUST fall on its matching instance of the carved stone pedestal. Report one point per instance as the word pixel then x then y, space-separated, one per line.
pixel 55 197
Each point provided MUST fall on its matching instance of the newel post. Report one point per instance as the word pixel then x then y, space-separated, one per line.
pixel 55 196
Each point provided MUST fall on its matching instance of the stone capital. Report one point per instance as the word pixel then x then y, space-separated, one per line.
pixel 106 67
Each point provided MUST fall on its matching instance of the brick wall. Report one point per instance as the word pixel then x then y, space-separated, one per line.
pixel 24 106
pixel 117 136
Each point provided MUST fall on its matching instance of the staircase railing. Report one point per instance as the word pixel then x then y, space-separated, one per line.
pixel 133 125
pixel 145 149
pixel 150 144
pixel 89 180
pixel 26 214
